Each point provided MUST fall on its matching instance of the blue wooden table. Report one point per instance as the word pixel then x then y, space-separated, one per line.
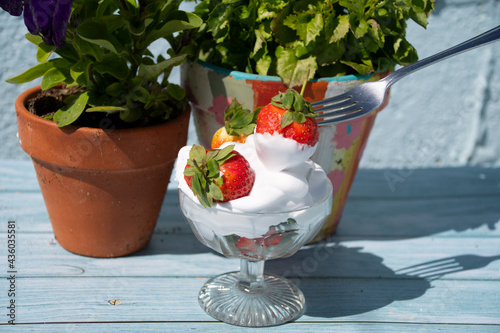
pixel 417 250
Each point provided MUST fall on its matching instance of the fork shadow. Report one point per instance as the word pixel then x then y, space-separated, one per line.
pixel 436 269
pixel 341 281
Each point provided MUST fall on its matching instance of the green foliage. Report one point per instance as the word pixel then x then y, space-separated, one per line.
pixel 108 53
pixel 290 38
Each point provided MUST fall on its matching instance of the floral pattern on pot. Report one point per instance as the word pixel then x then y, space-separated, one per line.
pixel 211 89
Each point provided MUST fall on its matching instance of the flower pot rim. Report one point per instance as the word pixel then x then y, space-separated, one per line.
pixel 25 95
pixel 119 149
pixel 249 76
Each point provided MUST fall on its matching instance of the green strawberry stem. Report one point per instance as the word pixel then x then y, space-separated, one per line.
pixel 305 82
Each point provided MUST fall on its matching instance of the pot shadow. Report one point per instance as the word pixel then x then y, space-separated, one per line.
pixel 342 281
pixel 172 234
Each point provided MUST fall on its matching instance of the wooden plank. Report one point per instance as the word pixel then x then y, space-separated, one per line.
pixel 362 218
pixel 177 255
pixel 426 182
pixel 451 217
pixel 87 300
pixel 19 175
pixel 295 327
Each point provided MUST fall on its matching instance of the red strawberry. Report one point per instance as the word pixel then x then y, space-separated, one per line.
pixel 273 239
pixel 203 174
pixel 246 244
pixel 291 116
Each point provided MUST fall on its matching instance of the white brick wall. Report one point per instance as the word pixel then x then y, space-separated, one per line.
pixel 445 115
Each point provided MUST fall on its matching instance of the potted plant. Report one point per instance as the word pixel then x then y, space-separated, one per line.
pixel 104 128
pixel 251 50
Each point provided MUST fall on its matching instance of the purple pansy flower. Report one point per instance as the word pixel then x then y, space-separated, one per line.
pixel 47 18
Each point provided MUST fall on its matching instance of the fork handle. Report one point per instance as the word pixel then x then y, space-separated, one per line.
pixel 480 40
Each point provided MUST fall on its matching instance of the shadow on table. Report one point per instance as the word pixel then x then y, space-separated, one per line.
pixel 411 203
pixel 373 219
pixel 342 281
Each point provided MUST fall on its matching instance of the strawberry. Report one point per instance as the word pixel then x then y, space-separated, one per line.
pixel 221 136
pixel 239 123
pixel 246 244
pixel 218 174
pixel 291 116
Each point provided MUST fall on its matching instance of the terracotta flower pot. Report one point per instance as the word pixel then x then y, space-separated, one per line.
pixel 211 89
pixel 103 188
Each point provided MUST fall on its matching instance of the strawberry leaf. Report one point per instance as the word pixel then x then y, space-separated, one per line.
pixel 287 99
pixel 197 153
pixel 239 121
pixel 215 192
pixel 203 166
pixel 189 171
pixel 286 119
pixel 213 168
pixel 298 117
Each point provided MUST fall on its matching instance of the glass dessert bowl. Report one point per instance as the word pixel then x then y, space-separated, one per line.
pixel 250 297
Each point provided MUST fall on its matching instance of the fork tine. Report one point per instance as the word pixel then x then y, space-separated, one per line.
pixel 332 108
pixel 332 100
pixel 335 116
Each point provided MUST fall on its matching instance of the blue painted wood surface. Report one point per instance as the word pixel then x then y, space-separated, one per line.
pixel 416 250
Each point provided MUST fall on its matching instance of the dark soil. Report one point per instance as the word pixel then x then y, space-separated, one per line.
pixel 47 102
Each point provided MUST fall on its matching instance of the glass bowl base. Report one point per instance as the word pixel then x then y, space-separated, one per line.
pixel 226 299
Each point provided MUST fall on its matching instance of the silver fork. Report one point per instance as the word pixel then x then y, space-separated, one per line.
pixel 369 96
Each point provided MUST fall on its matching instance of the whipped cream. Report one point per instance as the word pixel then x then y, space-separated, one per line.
pixel 293 188
pixel 279 153
pixel 275 195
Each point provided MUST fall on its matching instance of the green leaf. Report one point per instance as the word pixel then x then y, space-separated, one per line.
pixel 115 89
pixel 197 153
pixel 37 71
pixel 288 99
pixel 177 21
pixel 216 192
pixel 96 32
pixel 309 26
pixel 213 168
pixel 35 39
pixel 419 16
pixel 139 94
pixel 176 91
pixel 152 71
pixel 340 27
pixel 53 77
pixel 113 65
pixel 107 109
pixel 43 53
pixel 189 171
pixel 87 48
pixel 80 72
pixel 225 153
pixel 69 113
pixel 130 114
pixel 298 117
pixel 294 71
pixel 286 119
pixel 361 28
pixel 298 103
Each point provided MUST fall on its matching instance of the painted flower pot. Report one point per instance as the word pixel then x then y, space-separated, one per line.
pixel 211 89
pixel 103 188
